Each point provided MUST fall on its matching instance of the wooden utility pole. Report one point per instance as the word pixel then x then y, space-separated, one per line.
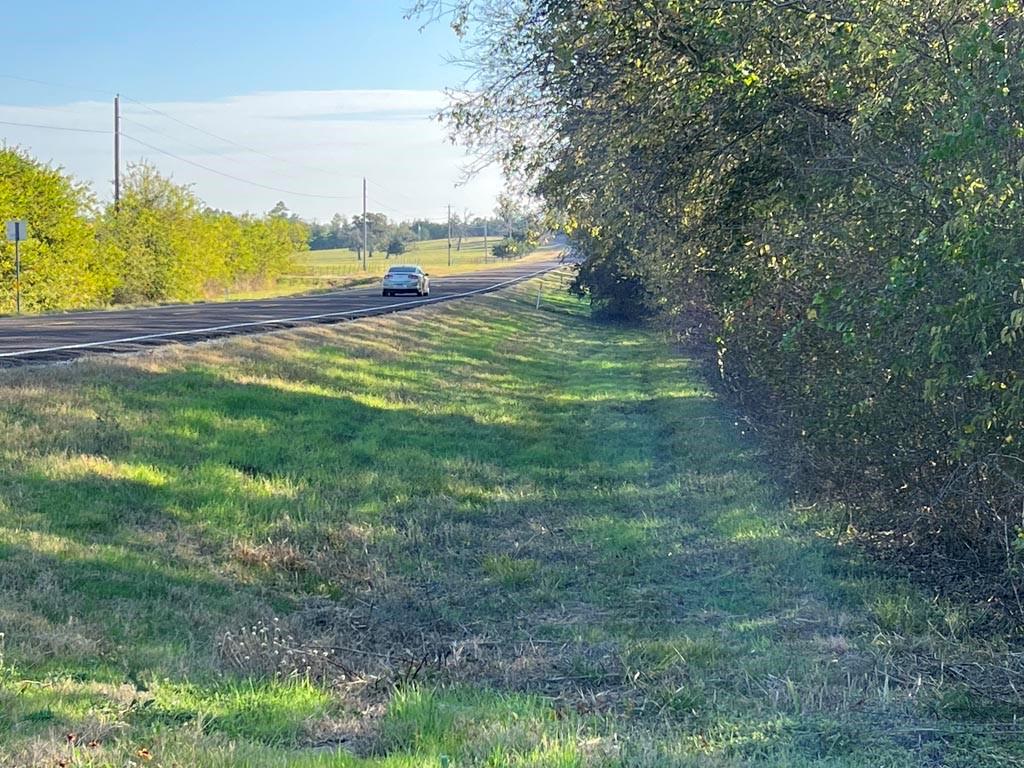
pixel 117 151
pixel 366 243
pixel 485 240
pixel 449 235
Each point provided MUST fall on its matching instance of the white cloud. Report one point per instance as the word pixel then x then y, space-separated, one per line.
pixel 319 143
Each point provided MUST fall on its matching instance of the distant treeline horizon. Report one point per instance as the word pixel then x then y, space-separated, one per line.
pixel 509 222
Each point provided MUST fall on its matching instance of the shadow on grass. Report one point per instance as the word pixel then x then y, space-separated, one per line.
pixel 173 468
pixel 515 500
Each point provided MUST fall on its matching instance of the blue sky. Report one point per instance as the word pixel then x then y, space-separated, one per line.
pixel 189 50
pixel 331 90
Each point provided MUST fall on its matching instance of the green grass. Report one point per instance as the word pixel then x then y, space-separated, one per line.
pixel 339 267
pixel 431 254
pixel 473 535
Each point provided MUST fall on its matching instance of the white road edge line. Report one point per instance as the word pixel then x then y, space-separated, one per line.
pixel 276 321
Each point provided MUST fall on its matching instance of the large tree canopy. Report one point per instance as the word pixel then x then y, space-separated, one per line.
pixel 837 181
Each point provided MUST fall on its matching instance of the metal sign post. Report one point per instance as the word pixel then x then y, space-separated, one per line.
pixel 17 230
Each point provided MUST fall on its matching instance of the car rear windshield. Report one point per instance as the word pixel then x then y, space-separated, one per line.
pixel 393 270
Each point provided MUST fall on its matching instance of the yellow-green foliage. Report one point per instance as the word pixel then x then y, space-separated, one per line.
pixel 61 264
pixel 166 246
pixel 160 244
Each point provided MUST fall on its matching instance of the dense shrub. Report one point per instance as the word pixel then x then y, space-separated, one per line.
pixel 61 265
pixel 839 182
pixel 160 244
pixel 166 245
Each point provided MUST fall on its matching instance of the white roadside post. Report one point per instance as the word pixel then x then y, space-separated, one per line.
pixel 17 230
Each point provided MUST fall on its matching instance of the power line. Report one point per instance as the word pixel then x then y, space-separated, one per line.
pixel 156 111
pixel 249 149
pixel 182 159
pixel 440 218
pixel 409 214
pixel 165 134
pixel 390 192
pixel 186 160
pixel 211 134
pixel 227 140
pixel 60 110
pixel 208 150
pixel 63 86
pixel 235 178
pixel 178 120
pixel 386 207
pixel 53 127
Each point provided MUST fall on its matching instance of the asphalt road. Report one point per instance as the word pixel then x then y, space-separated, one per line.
pixel 51 338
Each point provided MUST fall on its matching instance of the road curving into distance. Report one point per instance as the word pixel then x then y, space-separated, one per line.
pixel 59 337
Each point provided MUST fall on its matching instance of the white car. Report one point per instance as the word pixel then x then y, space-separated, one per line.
pixel 406 278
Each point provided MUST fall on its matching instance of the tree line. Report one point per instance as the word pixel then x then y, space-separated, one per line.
pixel 511 222
pixel 838 184
pixel 161 243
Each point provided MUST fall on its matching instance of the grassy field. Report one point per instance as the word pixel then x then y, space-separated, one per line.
pixel 475 534
pixel 431 254
pixel 340 266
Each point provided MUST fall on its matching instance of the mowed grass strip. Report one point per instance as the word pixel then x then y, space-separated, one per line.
pixel 343 264
pixel 476 534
